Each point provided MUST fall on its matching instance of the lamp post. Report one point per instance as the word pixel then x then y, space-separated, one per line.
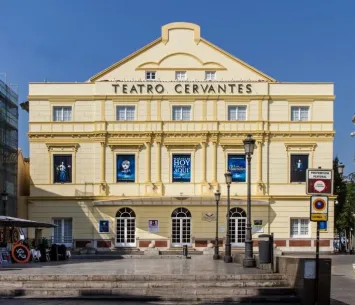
pixel 341 169
pixel 249 261
pixel 217 196
pixel 227 252
pixel 4 195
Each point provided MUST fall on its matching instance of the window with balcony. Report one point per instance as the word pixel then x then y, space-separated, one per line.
pixel 210 75
pixel 180 75
pixel 62 114
pixel 237 113
pixel 63 233
pixel 181 113
pixel 125 113
pixel 299 113
pixel 150 75
pixel 299 228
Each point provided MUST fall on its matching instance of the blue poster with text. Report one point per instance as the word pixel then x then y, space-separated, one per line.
pixel 236 165
pixel 181 168
pixel 126 168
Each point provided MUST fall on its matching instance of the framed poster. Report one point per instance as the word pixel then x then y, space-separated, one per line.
pixel 181 168
pixel 126 168
pixel 236 165
pixel 153 226
pixel 298 168
pixel 104 226
pixel 323 226
pixel 62 168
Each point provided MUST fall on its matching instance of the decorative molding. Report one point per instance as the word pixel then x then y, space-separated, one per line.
pixel 180 25
pixel 300 146
pixel 130 146
pixel 63 146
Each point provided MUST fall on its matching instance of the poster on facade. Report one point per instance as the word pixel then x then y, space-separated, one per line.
pixel 126 165
pixel 298 168
pixel 62 168
pixel 236 165
pixel 181 168
pixel 153 226
pixel 104 226
pixel 323 226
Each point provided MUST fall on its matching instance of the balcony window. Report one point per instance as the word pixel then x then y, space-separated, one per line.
pixel 299 227
pixel 299 113
pixel 125 113
pixel 181 113
pixel 180 75
pixel 237 113
pixel 210 75
pixel 62 114
pixel 150 75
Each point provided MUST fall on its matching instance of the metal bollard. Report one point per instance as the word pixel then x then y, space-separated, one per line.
pixel 185 251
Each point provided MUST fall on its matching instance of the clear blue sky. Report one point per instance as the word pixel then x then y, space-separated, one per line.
pixel 292 41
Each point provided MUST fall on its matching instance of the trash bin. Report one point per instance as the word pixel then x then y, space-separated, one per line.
pixel 265 248
pixel 184 250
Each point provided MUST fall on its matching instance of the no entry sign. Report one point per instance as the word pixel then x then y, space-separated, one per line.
pixel 319 182
pixel 319 208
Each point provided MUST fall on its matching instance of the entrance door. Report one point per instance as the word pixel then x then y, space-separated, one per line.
pixel 181 227
pixel 237 226
pixel 126 228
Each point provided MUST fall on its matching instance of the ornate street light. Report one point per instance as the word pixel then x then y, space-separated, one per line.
pixel 4 198
pixel 228 252
pixel 217 196
pixel 341 169
pixel 249 261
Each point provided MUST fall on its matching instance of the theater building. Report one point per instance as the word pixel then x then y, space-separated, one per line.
pixel 135 153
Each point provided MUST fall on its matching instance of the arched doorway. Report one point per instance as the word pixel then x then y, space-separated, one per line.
pixel 126 228
pixel 237 226
pixel 181 227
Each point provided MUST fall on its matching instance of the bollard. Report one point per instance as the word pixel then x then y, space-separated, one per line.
pixel 184 250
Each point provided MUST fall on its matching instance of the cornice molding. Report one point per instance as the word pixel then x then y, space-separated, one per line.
pixel 63 146
pixel 300 145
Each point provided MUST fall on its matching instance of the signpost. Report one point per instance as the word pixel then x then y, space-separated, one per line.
pixel 319 185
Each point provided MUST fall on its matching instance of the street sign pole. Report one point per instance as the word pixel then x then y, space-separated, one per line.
pixel 317 267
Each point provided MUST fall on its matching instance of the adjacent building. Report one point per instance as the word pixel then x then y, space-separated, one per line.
pixel 135 153
pixel 8 149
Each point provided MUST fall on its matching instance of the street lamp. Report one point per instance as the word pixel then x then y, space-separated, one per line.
pixel 341 169
pixel 217 196
pixel 4 195
pixel 227 252
pixel 249 261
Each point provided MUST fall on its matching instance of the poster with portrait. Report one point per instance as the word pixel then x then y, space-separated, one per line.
pixel 126 168
pixel 298 168
pixel 181 168
pixel 104 226
pixel 236 165
pixel 153 226
pixel 62 168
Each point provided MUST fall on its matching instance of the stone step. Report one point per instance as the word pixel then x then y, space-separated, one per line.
pixel 140 277
pixel 145 284
pixel 170 294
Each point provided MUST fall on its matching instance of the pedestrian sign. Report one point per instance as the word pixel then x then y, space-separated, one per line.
pixel 319 182
pixel 319 208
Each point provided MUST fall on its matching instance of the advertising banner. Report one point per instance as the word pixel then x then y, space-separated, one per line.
pixel 236 165
pixel 153 225
pixel 62 168
pixel 104 226
pixel 181 168
pixel 126 168
pixel 299 166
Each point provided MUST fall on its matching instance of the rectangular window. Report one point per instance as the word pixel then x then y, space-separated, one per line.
pixel 299 113
pixel 149 75
pixel 180 75
pixel 62 168
pixel 299 227
pixel 181 168
pixel 126 168
pixel 236 165
pixel 63 233
pixel 62 114
pixel 125 113
pixel 298 168
pixel 210 75
pixel 237 113
pixel 181 113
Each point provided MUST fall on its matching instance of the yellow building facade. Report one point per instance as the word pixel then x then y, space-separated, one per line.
pixel 135 153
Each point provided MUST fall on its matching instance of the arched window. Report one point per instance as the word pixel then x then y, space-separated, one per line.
pixel 125 212
pixel 181 212
pixel 237 212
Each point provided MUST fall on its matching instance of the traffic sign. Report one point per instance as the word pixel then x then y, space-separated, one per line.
pixel 319 208
pixel 319 182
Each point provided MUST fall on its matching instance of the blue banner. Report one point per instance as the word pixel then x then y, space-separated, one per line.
pixel 126 168
pixel 323 226
pixel 236 165
pixel 181 168
pixel 62 168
